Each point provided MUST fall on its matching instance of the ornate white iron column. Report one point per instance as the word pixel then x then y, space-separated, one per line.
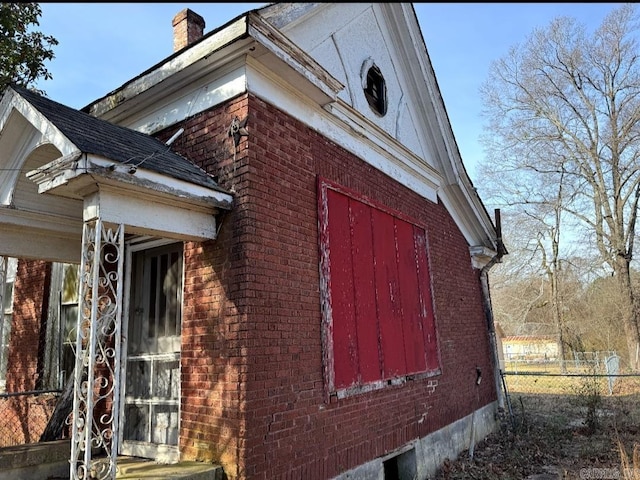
pixel 96 400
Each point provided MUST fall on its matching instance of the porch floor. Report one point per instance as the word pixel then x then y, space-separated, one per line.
pixel 50 461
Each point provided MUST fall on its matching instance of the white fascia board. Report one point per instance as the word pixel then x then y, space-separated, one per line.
pixel 172 187
pixel 190 57
pixel 60 225
pixel 249 36
pixel 348 130
pixel 181 105
pixel 481 256
pixel 475 231
pixel 75 176
pixel 36 235
pixel 42 244
pixel 408 34
pixel 193 90
pixel 145 215
pixel 421 74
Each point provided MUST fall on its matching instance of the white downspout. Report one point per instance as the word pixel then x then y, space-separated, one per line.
pixel 488 310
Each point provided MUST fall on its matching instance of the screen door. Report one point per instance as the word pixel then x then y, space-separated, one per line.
pixel 152 391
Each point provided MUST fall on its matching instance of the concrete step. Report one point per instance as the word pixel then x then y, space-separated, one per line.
pixel 50 461
pixel 130 468
pixel 35 461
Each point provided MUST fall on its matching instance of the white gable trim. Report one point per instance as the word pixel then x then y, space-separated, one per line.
pixel 13 101
pixel 22 130
pixel 295 58
pixel 277 71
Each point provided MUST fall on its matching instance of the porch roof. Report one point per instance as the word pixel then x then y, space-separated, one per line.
pixel 60 167
pixel 92 135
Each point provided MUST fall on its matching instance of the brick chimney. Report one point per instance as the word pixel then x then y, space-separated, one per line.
pixel 188 27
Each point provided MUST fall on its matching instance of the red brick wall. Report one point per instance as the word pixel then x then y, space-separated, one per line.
pixel 252 338
pixel 23 417
pixel 214 358
pixel 30 297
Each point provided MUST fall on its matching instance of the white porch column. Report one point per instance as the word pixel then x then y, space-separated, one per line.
pixel 96 400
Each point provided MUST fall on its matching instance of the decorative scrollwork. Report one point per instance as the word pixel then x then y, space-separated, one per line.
pixel 97 351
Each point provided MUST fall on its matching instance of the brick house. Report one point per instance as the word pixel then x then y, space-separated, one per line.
pixel 269 246
pixel 530 348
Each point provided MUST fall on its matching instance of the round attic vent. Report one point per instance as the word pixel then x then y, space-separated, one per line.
pixel 375 89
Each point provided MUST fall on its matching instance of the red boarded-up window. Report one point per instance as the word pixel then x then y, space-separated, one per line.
pixel 378 310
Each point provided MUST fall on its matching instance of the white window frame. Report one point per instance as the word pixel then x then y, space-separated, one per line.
pixel 8 266
pixel 56 341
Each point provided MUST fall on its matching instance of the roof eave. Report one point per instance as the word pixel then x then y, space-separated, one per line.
pixel 249 35
pixel 76 175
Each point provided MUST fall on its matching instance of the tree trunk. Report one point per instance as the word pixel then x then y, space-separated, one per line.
pixel 629 318
pixel 557 316
pixel 58 419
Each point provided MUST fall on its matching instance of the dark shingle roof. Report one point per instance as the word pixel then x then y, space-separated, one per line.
pixel 95 136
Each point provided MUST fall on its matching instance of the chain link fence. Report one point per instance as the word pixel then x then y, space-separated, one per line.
pixel 591 374
pixel 24 416
pixel 540 382
pixel 37 324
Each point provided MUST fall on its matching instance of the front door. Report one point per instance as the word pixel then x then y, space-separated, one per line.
pixel 152 389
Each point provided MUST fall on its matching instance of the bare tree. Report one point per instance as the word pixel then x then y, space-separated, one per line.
pixel 566 102
pixel 532 185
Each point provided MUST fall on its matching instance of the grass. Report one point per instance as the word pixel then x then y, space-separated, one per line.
pixel 547 379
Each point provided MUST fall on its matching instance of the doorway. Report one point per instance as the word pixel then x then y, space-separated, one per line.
pixel 151 401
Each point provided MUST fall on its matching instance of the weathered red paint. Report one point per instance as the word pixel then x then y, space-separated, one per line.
pixel 345 342
pixel 378 285
pixel 426 300
pixel 365 300
pixel 388 294
pixel 412 320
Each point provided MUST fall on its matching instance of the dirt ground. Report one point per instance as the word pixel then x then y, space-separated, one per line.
pixel 558 437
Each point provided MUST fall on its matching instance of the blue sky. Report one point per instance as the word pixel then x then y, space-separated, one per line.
pixel 103 45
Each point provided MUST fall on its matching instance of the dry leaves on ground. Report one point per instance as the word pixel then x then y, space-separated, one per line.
pixel 557 436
